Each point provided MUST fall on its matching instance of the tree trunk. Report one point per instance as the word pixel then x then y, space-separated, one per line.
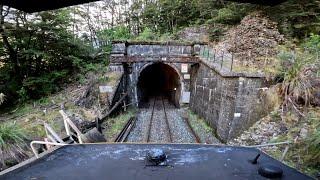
pixel 12 53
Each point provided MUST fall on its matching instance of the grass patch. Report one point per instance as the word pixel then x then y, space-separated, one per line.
pixel 22 110
pixel 206 133
pixel 113 126
pixel 12 143
pixel 303 155
pixel 199 124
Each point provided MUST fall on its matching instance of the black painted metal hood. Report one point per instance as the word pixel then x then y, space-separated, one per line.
pixel 129 161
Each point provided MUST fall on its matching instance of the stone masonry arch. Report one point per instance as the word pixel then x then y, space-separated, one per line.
pixel 173 87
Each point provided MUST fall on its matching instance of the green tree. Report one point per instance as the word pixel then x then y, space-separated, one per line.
pixel 106 36
pixel 38 52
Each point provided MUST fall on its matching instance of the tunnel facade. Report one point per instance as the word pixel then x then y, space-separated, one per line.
pixel 230 102
pixel 159 79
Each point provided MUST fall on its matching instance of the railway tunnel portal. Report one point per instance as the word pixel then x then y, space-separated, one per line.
pixel 159 79
pixel 230 102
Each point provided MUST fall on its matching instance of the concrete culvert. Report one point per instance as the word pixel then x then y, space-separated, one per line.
pixel 159 79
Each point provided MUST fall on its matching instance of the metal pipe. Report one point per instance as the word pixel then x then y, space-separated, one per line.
pixel 270 144
pixel 45 143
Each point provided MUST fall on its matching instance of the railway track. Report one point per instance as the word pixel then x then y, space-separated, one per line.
pixel 150 122
pixel 159 106
pixel 195 135
pixel 186 123
pixel 167 122
pixel 162 124
pixel 123 135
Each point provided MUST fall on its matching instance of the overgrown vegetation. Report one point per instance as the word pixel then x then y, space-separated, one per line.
pixel 296 18
pixel 202 128
pixel 312 144
pixel 114 125
pixel 299 76
pixel 303 153
pixel 300 70
pixel 106 36
pixel 12 143
pixel 39 54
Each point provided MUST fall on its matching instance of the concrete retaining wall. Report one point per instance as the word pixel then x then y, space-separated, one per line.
pixel 230 104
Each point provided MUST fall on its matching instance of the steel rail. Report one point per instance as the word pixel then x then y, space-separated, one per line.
pixel 197 138
pixel 150 123
pixel 167 121
pixel 123 135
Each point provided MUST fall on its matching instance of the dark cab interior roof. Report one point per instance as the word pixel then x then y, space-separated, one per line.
pixel 43 5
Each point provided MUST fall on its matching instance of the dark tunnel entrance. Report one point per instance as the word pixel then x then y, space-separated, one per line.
pixel 159 79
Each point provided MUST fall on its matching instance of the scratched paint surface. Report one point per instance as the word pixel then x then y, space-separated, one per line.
pixel 127 161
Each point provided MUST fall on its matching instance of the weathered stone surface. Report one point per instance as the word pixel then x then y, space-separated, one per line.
pixel 159 50
pixel 194 34
pixel 229 104
pixel 119 48
pixel 153 52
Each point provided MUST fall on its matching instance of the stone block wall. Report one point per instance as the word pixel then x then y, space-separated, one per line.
pixel 159 50
pixel 230 104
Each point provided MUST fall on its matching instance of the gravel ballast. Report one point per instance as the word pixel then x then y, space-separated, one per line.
pixel 159 133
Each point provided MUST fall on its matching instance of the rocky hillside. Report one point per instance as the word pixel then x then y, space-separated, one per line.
pixel 253 42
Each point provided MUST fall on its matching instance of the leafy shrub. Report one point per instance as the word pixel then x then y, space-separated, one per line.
pixel 91 67
pixel 225 15
pixel 231 14
pixel 106 36
pixel 35 87
pixel 121 33
pixel 23 95
pixel 299 68
pixel 12 143
pixel 147 35
pixel 312 44
pixel 216 32
pixel 166 37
